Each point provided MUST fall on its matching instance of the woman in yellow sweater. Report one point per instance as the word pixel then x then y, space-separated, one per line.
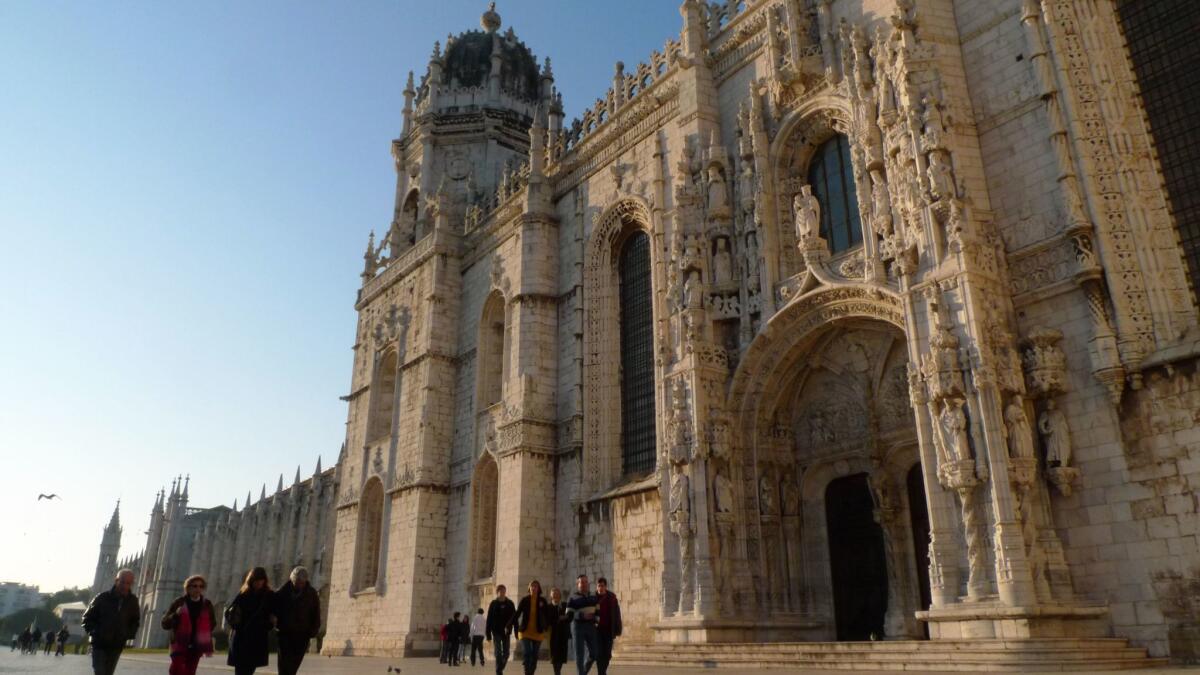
pixel 532 623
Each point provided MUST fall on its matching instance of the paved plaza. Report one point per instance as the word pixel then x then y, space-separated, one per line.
pixel 147 664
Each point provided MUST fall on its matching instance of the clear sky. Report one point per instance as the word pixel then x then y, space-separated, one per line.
pixel 185 194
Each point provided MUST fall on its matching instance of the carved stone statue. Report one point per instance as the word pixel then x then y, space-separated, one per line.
pixel 808 214
pixel 722 262
pixel 722 493
pixel 941 176
pixel 1020 436
pixel 932 120
pixel 1056 434
pixel 881 208
pixel 882 491
pixel 766 497
pixel 790 496
pixel 718 193
pixel 693 291
pixel 954 430
pixel 681 500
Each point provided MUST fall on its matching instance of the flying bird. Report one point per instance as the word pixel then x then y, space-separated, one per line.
pixel 49 496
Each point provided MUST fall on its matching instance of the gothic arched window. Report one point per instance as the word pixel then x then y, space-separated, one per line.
pixel 370 534
pixel 491 352
pixel 485 488
pixel 383 398
pixel 637 356
pixel 832 179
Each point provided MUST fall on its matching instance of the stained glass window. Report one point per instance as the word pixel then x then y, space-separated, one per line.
pixel 637 356
pixel 832 179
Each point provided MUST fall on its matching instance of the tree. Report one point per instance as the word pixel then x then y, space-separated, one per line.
pixel 19 621
pixel 66 595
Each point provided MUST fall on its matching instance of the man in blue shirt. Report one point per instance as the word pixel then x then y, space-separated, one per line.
pixel 582 605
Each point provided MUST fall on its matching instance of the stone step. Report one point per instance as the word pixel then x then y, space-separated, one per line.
pixel 1045 654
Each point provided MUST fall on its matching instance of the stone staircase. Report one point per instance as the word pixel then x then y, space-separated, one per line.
pixel 1025 655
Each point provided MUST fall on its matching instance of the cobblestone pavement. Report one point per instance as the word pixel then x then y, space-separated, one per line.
pixel 148 664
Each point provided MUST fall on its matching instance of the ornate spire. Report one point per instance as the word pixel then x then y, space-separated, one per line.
pixel 114 523
pixel 296 480
pixel 490 20
pixel 279 485
pixel 186 482
pixel 318 471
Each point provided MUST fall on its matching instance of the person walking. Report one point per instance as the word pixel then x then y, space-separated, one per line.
pixel 453 628
pixel 111 620
pixel 249 618
pixel 49 641
pixel 445 634
pixel 298 620
pixel 464 637
pixel 191 620
pixel 23 639
pixel 583 624
pixel 498 628
pixel 560 630
pixel 532 624
pixel 478 629
pixel 64 634
pixel 608 623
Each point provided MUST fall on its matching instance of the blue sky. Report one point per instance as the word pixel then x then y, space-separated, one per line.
pixel 185 194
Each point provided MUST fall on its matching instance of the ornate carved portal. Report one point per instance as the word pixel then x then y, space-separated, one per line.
pixel 833 409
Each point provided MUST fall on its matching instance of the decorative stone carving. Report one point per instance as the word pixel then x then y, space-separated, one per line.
pixel 1056 436
pixel 718 193
pixel 941 177
pixel 722 493
pixel 1044 361
pixel 808 218
pixel 1020 436
pixel 722 263
pixel 693 291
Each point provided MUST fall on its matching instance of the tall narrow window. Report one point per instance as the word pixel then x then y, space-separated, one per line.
pixel 491 352
pixel 370 533
pixel 383 399
pixel 1162 43
pixel 637 356
pixel 832 179
pixel 484 493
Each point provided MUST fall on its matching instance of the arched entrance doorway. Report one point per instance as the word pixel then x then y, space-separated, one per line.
pixel 823 408
pixel 856 558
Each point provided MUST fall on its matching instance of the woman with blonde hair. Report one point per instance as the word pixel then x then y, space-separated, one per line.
pixel 191 620
pixel 249 619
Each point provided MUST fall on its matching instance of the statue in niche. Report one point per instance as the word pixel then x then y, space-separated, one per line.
pixel 746 187
pixel 722 493
pixel 718 194
pixel 673 286
pixel 1020 436
pixel 808 214
pixel 882 491
pixel 954 430
pixel 766 497
pixel 1056 434
pixel 790 497
pixel 932 120
pixel 881 207
pixel 681 500
pixel 693 291
pixel 941 176
pixel 722 263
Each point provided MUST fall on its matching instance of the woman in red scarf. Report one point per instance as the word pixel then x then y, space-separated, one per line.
pixel 191 620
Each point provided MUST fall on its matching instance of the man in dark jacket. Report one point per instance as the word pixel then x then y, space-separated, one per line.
pixel 298 615
pixel 499 626
pixel 608 623
pixel 110 621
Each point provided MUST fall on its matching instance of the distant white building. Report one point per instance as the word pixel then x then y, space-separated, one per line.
pixel 15 597
pixel 71 614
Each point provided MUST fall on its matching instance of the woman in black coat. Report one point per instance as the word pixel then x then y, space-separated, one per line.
pixel 560 630
pixel 249 618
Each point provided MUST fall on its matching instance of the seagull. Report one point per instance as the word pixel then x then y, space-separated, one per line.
pixel 49 496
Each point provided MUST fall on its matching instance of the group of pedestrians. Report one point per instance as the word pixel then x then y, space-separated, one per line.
pixel 32 638
pixel 294 611
pixel 592 621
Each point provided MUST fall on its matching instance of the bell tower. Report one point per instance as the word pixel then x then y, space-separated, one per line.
pixel 106 565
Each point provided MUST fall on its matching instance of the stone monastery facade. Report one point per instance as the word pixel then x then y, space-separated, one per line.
pixel 832 319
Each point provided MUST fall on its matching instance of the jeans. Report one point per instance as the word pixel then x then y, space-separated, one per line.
pixel 584 634
pixel 529 655
pixel 291 653
pixel 502 643
pixel 104 659
pixel 477 648
pixel 605 640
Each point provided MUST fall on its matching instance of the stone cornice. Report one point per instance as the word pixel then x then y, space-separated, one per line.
pixel 438 242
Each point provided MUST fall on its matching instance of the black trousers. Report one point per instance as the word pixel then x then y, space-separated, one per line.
pixel 291 652
pixel 104 659
pixel 477 648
